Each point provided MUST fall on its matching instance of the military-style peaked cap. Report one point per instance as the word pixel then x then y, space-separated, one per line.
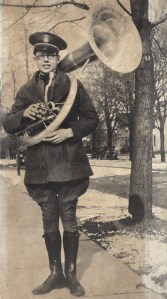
pixel 47 41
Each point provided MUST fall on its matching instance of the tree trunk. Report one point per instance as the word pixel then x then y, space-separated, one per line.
pixel 109 136
pixel 26 54
pixel 162 146
pixel 131 135
pixel 140 197
pixel 93 139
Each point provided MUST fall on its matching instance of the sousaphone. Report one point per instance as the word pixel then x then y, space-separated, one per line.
pixel 114 39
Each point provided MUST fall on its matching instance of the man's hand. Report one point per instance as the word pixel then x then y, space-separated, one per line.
pixel 31 111
pixel 59 135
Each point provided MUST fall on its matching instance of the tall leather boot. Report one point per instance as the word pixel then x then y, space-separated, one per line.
pixel 56 279
pixel 71 243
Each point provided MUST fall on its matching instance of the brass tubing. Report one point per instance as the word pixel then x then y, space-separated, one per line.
pixel 77 58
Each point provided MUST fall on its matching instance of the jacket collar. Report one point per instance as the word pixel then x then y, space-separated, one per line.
pixel 59 88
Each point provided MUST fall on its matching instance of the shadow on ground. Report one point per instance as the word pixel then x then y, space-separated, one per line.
pixel 99 230
pixel 160 188
pixel 119 185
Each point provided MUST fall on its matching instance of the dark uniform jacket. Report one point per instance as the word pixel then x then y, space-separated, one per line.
pixel 55 162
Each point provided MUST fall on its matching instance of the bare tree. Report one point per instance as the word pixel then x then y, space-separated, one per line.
pixel 113 97
pixel 160 76
pixel 140 197
pixel 13 75
pixel 127 96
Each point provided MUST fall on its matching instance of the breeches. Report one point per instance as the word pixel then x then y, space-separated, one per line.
pixel 58 200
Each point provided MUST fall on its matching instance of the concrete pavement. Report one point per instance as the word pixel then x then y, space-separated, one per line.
pixel 24 263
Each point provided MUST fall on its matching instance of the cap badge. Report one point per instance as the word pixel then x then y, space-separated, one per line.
pixel 46 39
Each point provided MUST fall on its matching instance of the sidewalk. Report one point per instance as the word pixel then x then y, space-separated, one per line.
pixel 24 263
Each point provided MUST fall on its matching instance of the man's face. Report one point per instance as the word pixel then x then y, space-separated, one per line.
pixel 46 62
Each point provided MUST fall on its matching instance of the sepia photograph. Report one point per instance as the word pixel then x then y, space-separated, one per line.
pixel 83 149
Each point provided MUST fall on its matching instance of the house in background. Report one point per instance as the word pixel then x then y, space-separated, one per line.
pixel 121 139
pixel 156 139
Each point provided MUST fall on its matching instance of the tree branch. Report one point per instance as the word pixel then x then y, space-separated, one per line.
pixel 20 17
pixel 159 22
pixel 160 48
pixel 28 6
pixel 124 8
pixel 67 21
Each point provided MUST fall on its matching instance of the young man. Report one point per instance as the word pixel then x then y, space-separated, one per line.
pixel 57 169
